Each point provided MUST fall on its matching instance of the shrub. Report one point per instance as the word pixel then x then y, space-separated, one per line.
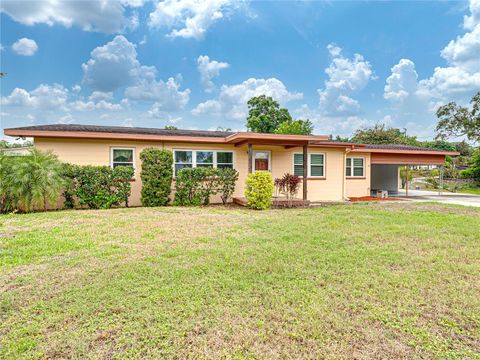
pixel 259 190
pixel 227 179
pixel 156 175
pixel 195 186
pixel 122 177
pixel 98 187
pixel 30 181
pixel 288 185
pixel 8 199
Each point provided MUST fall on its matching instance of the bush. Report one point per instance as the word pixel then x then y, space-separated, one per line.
pixel 8 199
pixel 227 179
pixel 156 175
pixel 259 190
pixel 98 187
pixel 195 186
pixel 29 182
pixel 288 185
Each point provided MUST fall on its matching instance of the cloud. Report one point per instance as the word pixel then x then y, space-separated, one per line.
pixel 25 47
pixel 469 22
pixel 167 95
pixel 402 82
pixel 103 16
pixel 345 77
pixel 232 100
pixel 464 52
pixel 457 81
pixel 115 66
pixel 112 66
pixel 43 97
pixel 461 78
pixel 208 70
pixel 188 18
pixel 326 124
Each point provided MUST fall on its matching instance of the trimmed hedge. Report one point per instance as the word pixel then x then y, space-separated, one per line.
pixel 259 190
pixel 195 186
pixel 98 187
pixel 156 175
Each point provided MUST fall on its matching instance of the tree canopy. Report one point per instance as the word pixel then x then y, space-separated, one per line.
pixel 266 116
pixel 456 120
pixel 381 134
pixel 295 127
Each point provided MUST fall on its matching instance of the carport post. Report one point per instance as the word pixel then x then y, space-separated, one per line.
pixel 406 180
pixel 440 183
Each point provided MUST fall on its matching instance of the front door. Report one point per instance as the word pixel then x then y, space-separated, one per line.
pixel 261 160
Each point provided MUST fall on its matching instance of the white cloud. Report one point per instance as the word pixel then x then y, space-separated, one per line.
pixel 99 95
pixel 188 18
pixel 325 124
pixel 345 76
pixel 469 22
pixel 167 95
pixel 458 81
pixel 25 47
pixel 115 65
pixel 103 16
pixel 403 81
pixel 43 97
pixel 66 119
pixel 464 52
pixel 232 101
pixel 208 70
pixel 111 66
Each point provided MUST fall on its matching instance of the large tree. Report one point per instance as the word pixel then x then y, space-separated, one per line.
pixel 381 134
pixel 456 120
pixel 295 127
pixel 265 114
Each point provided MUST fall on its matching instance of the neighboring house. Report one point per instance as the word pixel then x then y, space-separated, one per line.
pixel 331 170
pixel 18 151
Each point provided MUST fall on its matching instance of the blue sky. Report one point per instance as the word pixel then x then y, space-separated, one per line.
pixel 194 64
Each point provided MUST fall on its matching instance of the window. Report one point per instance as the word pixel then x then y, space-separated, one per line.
pixel 122 157
pixel 355 167
pixel 183 159
pixel 224 159
pixel 316 164
pixel 202 158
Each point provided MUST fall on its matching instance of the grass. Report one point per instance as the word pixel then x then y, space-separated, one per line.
pixel 382 280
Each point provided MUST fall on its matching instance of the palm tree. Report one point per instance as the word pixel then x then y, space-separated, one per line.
pixel 36 179
pixel 7 197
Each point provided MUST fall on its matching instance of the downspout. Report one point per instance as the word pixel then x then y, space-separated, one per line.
pixel 344 172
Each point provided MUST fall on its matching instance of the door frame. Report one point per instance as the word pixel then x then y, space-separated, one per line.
pixel 269 159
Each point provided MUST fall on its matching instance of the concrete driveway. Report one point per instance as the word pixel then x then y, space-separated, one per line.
pixel 445 198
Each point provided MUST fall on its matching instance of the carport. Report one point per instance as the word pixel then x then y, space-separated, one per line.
pixel 385 161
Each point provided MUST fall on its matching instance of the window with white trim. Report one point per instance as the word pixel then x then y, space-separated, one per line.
pixel 202 158
pixel 122 157
pixel 316 164
pixel 355 167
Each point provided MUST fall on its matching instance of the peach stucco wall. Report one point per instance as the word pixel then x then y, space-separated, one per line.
pixel 357 187
pixel 331 188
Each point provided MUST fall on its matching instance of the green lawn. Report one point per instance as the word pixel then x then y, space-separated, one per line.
pixel 357 281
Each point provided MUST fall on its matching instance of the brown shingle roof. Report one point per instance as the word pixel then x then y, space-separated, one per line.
pixel 397 147
pixel 126 130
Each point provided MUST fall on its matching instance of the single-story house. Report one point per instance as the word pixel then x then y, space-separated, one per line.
pixel 330 170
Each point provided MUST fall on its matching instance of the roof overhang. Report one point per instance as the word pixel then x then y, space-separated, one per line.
pixel 403 151
pixel 110 136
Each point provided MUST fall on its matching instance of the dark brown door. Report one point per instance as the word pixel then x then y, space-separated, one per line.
pixel 261 164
